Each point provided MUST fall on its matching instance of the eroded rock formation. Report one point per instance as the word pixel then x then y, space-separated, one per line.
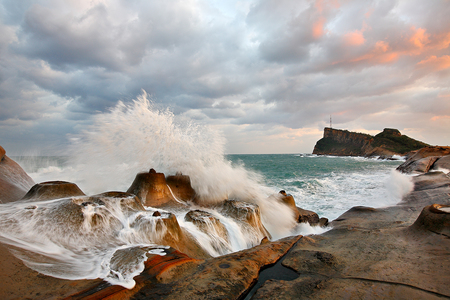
pixel 14 182
pixel 426 159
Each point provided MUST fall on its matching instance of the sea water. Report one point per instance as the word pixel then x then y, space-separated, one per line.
pixel 135 137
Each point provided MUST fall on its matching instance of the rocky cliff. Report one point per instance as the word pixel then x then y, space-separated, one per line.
pixel 346 143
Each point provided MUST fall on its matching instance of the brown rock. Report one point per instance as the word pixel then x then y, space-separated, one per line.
pixel 289 200
pixel 17 281
pixel 435 218
pixel 2 153
pixel 307 216
pixel 151 188
pixel 53 190
pixel 14 181
pixel 248 213
pixel 181 187
pixel 211 226
pixel 442 163
pixel 422 161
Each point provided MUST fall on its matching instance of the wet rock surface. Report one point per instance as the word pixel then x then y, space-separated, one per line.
pixel 14 182
pixel 398 252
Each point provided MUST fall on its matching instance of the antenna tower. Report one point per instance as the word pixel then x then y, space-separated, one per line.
pixel 330 122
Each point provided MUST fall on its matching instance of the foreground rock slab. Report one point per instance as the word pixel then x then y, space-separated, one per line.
pixel 401 252
pixel 176 276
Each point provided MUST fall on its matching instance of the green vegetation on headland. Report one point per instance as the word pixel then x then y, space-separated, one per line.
pixel 346 143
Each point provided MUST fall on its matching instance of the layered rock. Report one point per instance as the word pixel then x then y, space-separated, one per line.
pixel 396 252
pixel 211 226
pixel 248 213
pixel 14 182
pixel 426 159
pixel 53 190
pixel 301 215
pixel 345 143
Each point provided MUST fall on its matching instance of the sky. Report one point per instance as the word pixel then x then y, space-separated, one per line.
pixel 267 74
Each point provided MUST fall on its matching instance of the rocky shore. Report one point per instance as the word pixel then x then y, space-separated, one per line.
pixel 398 252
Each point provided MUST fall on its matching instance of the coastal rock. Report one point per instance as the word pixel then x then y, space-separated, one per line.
pixel 152 189
pixel 435 218
pixel 308 216
pixel 443 163
pixel 181 188
pixel 14 181
pixel 177 276
pixel 423 160
pixel 53 190
pixel 247 213
pixel 211 226
pixel 384 253
pixel 289 200
pixel 387 143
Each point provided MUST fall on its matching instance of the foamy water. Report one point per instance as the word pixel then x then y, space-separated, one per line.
pixel 112 242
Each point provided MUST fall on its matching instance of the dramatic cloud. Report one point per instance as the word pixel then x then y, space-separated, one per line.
pixel 267 73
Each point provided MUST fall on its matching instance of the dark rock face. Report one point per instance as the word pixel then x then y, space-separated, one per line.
pixel 14 181
pixel 435 218
pixel 345 143
pixel 53 190
pixel 426 159
pixel 307 216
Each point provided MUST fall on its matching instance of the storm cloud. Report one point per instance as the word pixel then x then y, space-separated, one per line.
pixel 268 74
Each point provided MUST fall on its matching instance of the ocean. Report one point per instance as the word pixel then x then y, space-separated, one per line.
pixel 77 239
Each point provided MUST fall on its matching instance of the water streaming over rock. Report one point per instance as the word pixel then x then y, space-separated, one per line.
pixel 109 235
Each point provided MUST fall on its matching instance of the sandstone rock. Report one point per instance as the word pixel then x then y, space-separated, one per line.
pixel 442 163
pixel 422 161
pixel 289 200
pixel 177 276
pixel 14 181
pixel 181 187
pixel 53 190
pixel 2 153
pixel 211 226
pixel 151 188
pixel 248 213
pixel 435 218
pixel 307 216
pixel 165 230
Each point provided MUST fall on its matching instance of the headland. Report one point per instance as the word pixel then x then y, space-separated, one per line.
pixel 387 143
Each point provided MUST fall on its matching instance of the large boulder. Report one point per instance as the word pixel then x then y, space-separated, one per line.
pixel 443 163
pixel 248 214
pixel 288 199
pixel 423 160
pixel 434 218
pixel 53 190
pixel 212 227
pixel 181 188
pixel 152 189
pixel 14 181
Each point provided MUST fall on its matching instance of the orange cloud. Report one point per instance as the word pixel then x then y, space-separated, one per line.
pixel 420 38
pixel 436 118
pixel 317 29
pixel 354 38
pixel 379 54
pixel 436 63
